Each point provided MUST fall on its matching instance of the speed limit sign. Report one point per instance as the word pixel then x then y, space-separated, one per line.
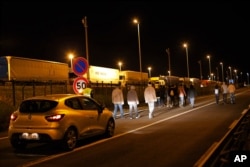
pixel 79 84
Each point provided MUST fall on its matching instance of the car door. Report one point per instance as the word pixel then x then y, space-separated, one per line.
pixel 97 121
pixel 78 117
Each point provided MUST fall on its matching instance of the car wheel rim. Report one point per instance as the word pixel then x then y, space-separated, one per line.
pixel 111 127
pixel 71 139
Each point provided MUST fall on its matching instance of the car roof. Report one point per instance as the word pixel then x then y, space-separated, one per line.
pixel 55 97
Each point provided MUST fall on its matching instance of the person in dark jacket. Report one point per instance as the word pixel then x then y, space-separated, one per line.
pixel 191 95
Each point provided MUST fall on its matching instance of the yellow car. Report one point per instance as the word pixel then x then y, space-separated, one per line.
pixel 66 118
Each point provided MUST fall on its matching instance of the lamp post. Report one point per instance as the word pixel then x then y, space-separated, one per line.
pixel 186 46
pixel 241 77
pixel 222 73
pixel 235 76
pixel 230 72
pixel 149 72
pixel 84 22
pixel 120 65
pixel 139 44
pixel 217 74
pixel 169 69
pixel 247 79
pixel 208 56
pixel 200 69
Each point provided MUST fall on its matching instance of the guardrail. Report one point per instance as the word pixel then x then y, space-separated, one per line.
pixel 232 146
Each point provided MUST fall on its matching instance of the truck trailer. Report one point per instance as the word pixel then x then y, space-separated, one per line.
pixel 26 69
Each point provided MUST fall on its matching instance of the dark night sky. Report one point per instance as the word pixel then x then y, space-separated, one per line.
pixel 50 30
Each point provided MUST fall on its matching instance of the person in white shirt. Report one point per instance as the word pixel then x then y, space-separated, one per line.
pixel 150 98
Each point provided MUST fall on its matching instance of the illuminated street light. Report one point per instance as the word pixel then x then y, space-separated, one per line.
pixel 169 68
pixel 120 65
pixel 186 46
pixel 208 56
pixel 235 76
pixel 222 73
pixel 149 72
pixel 248 79
pixel 71 56
pixel 230 72
pixel 139 43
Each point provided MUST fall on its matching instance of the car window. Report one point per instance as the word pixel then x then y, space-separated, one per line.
pixel 37 106
pixel 88 104
pixel 73 103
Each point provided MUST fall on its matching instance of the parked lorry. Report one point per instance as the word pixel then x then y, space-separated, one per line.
pixel 26 69
pixel 103 74
pixel 127 77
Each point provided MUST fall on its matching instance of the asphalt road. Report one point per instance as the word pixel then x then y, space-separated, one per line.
pixel 177 137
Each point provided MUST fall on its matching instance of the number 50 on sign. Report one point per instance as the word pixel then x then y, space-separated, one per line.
pixel 79 84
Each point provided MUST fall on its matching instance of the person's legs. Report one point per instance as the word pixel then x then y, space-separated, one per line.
pixel 121 110
pixel 130 110
pixel 192 101
pixel 151 109
pixel 115 110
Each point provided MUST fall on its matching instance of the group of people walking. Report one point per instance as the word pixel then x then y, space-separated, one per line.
pixel 171 96
pixel 133 101
pixel 150 97
pixel 225 90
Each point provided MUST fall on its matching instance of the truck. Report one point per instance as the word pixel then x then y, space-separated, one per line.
pixel 103 74
pixel 27 69
pixel 128 76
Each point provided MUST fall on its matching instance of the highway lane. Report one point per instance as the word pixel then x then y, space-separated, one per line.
pixel 176 137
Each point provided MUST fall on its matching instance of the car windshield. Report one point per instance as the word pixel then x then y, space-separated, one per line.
pixel 37 106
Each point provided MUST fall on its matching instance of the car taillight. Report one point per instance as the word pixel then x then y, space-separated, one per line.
pixel 54 118
pixel 13 117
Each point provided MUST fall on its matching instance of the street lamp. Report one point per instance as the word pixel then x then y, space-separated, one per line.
pixel 208 56
pixel 217 73
pixel 169 69
pixel 222 73
pixel 84 22
pixel 139 43
pixel 186 46
pixel 200 69
pixel 149 72
pixel 248 79
pixel 120 65
pixel 235 76
pixel 71 56
pixel 230 72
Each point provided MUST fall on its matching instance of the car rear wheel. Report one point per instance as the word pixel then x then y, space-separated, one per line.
pixel 110 129
pixel 70 139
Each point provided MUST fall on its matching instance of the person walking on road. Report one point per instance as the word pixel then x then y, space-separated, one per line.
pixel 133 101
pixel 191 95
pixel 182 94
pixel 231 90
pixel 118 100
pixel 150 98
pixel 217 93
pixel 224 92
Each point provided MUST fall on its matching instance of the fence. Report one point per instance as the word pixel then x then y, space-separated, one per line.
pixel 13 92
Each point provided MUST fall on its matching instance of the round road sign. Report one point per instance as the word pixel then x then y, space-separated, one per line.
pixel 79 84
pixel 80 66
